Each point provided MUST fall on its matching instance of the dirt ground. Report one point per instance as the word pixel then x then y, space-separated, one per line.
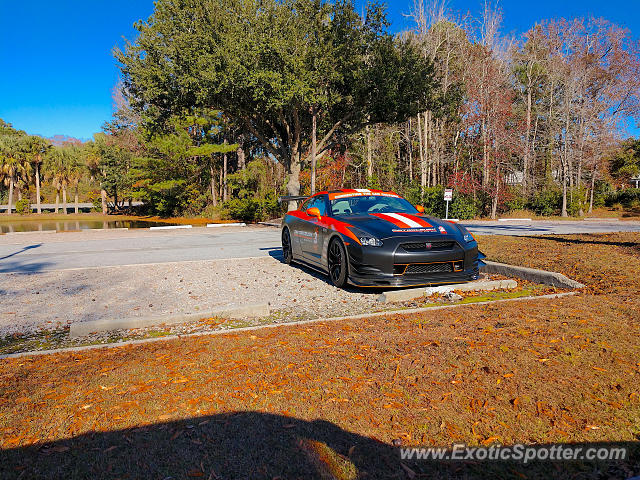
pixel 335 400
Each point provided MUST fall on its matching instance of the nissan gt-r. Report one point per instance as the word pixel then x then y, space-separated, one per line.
pixel 372 238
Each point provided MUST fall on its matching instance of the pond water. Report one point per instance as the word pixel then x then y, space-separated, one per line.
pixel 71 225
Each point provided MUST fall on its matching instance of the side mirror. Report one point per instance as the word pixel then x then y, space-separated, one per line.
pixel 314 212
pixel 420 208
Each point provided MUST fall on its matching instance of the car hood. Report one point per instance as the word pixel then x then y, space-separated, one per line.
pixel 392 225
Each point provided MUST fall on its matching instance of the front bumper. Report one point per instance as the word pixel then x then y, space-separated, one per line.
pixel 394 266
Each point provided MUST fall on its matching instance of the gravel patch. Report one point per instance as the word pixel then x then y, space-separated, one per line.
pixel 30 302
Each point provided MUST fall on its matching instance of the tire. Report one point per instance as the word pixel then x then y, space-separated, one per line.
pixel 287 252
pixel 337 263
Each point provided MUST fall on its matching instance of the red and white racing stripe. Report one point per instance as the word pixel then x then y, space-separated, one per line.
pixel 403 220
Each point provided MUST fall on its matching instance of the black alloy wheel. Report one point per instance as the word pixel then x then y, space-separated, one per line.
pixel 337 262
pixel 287 253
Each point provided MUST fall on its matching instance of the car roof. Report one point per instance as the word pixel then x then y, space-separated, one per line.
pixel 355 191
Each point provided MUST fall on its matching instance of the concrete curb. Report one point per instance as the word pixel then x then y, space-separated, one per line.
pixel 171 227
pixel 514 219
pixel 119 229
pixel 31 231
pixel 80 329
pixel 217 225
pixel 277 325
pixel 413 293
pixel 531 274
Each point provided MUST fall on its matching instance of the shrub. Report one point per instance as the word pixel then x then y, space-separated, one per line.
pixel 433 201
pixel 463 207
pixel 601 192
pixel 412 194
pixel 546 202
pixel 245 209
pixel 96 200
pixel 23 206
pixel 626 197
pixel 515 200
pixel 576 201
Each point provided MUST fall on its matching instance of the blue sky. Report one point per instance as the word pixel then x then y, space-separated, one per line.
pixel 57 71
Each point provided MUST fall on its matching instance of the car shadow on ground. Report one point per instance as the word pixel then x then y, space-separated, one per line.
pixel 276 253
pixel 256 445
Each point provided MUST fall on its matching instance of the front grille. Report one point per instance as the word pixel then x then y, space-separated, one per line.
pixel 422 268
pixel 430 246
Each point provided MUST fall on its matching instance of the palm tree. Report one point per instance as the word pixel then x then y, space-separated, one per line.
pixel 58 172
pixel 13 165
pixel 37 148
pixel 75 175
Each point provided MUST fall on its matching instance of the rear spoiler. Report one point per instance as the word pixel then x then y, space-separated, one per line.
pixel 292 198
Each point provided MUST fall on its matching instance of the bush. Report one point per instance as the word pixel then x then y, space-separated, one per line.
pixel 546 202
pixel 433 201
pixel 245 209
pixel 577 201
pixel 601 192
pixel 515 200
pixel 625 197
pixel 23 206
pixel 463 207
pixel 96 200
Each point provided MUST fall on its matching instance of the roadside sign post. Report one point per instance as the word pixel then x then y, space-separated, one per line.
pixel 448 196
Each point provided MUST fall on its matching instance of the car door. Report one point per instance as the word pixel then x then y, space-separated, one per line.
pixel 313 230
pixel 297 228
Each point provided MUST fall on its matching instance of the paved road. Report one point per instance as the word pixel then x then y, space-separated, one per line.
pixel 32 253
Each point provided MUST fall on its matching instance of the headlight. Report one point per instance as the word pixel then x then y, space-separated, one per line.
pixel 370 242
pixel 468 237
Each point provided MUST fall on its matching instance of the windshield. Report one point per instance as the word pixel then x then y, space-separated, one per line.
pixel 361 205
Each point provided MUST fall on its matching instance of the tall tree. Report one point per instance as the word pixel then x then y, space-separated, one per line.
pixel 269 64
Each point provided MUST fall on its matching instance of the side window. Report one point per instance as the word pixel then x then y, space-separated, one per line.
pixel 319 203
pixel 306 205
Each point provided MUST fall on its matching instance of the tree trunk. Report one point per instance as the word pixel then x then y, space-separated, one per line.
pixel 10 206
pixel 410 148
pixel 103 198
pixel 485 155
pixel 369 156
pixel 593 185
pixel 494 203
pixel 293 185
pixel 57 201
pixel 225 167
pixel 525 166
pixel 313 150
pixel 64 200
pixel 242 161
pixel 76 207
pixel 565 165
pixel 38 187
pixel 426 144
pixel 221 186
pixel 214 193
pixel 423 169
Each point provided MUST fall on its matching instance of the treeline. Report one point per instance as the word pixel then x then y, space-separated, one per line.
pixel 226 105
